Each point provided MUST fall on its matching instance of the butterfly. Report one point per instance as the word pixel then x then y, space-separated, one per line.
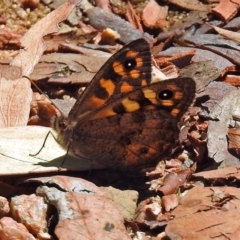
pixel 122 120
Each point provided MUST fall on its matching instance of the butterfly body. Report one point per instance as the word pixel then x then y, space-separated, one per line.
pixel 122 121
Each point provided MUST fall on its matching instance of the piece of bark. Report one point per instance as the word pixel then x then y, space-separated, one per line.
pixel 153 13
pixel 216 92
pixel 233 25
pixel 232 79
pixel 226 10
pixel 218 127
pixel 202 72
pixel 132 17
pixel 100 19
pixel 212 217
pixel 222 64
pixel 193 5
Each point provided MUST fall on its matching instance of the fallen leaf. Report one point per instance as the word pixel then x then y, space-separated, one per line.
pixel 235 36
pixel 16 93
pixel 49 159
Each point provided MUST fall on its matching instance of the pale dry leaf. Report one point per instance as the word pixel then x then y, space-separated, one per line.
pixel 234 36
pixel 32 42
pixel 15 98
pixel 15 91
pixel 49 159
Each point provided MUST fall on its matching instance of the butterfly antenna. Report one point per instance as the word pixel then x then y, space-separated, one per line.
pixel 49 133
pixel 40 91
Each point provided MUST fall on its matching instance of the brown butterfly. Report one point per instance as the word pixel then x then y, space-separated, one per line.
pixel 121 120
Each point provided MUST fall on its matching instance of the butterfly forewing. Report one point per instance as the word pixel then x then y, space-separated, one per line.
pixel 125 71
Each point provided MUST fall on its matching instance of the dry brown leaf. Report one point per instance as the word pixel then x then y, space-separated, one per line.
pixel 42 111
pixel 235 36
pixel 132 17
pixel 234 139
pixel 83 67
pixel 49 159
pixel 15 98
pixel 16 93
pixel 32 42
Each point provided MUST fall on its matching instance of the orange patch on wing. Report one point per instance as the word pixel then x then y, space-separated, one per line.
pixel 173 87
pixel 119 68
pixel 108 85
pixel 150 95
pixel 130 105
pixel 96 101
pixel 131 54
pixel 139 62
pixel 135 73
pixel 106 112
pixel 167 103
pixel 144 82
pixel 175 112
pixel 178 95
pixel 125 88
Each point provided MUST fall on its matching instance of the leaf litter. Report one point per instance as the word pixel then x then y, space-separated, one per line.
pixel 206 51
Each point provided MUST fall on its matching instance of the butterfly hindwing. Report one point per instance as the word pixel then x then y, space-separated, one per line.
pixel 136 129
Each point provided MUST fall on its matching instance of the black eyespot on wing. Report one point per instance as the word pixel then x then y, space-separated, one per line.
pixel 143 150
pixel 166 94
pixel 130 64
